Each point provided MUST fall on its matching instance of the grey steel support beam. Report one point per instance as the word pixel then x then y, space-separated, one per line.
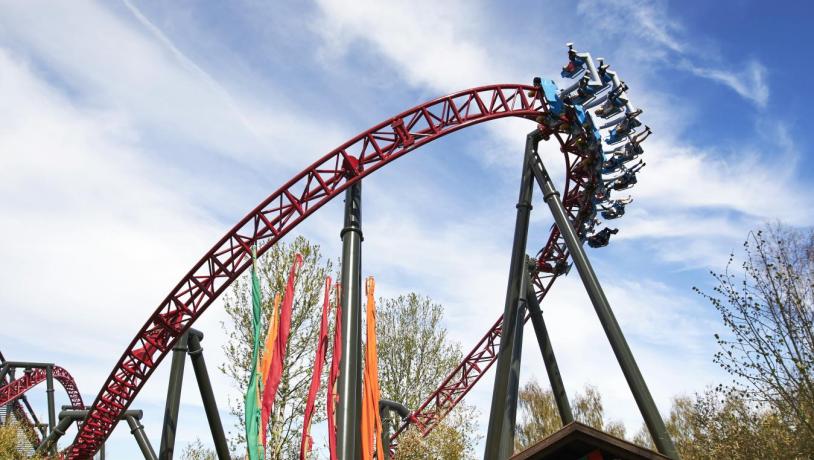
pixel 349 407
pixel 70 415
pixel 10 406
pixel 650 413
pixel 513 386
pixel 141 439
pixel 28 365
pixel 386 410
pixel 499 434
pixel 167 446
pixel 207 395
pixel 49 392
pixel 554 378
pixel 53 436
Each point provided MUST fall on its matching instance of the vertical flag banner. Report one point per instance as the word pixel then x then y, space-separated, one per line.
pixel 268 355
pixel 275 372
pixel 322 349
pixel 251 411
pixel 371 425
pixel 333 375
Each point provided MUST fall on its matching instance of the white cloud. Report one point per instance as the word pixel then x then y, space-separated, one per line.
pixel 125 64
pixel 648 33
pixel 108 227
pixel 647 20
pixel 93 237
pixel 429 43
pixel 750 83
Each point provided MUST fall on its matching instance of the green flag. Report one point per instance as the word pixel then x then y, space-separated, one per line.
pixel 252 410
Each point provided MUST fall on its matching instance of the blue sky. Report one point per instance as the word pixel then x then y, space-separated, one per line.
pixel 134 134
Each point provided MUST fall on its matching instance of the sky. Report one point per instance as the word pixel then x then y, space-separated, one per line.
pixel 134 134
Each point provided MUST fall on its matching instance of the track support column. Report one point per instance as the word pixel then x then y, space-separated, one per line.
pixel 179 352
pixel 554 378
pixel 56 433
pixel 500 433
pixel 207 395
pixel 137 429
pixel 650 413
pixel 349 408
pixel 49 391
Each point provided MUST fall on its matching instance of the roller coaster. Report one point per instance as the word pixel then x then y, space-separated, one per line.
pixel 600 137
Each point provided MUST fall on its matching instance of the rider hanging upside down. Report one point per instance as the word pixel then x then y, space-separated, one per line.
pixel 615 208
pixel 602 238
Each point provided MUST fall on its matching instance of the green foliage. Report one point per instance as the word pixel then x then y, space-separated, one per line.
pixel 9 443
pixel 726 424
pixel 453 439
pixel 415 356
pixel 197 451
pixel 768 308
pixel 414 352
pixel 539 416
pixel 285 424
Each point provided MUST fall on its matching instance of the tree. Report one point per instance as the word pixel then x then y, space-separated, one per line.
pixel 452 439
pixel 726 424
pixel 539 416
pixel 415 356
pixel 414 352
pixel 197 451
pixel 10 444
pixel 285 424
pixel 768 309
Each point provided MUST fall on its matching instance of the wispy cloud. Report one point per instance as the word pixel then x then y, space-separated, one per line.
pixel 191 65
pixel 654 35
pixel 750 83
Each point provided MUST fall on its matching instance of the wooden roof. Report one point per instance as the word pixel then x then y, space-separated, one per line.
pixel 575 441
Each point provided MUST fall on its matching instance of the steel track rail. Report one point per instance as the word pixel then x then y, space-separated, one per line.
pixel 278 214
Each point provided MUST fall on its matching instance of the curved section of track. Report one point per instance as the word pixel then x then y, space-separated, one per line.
pixel 276 216
pixel 551 262
pixel 34 377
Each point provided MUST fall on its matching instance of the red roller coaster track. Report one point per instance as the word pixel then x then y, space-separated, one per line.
pixel 33 377
pixel 291 204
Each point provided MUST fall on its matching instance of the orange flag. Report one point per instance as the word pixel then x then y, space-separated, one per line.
pixel 271 338
pixel 371 425
pixel 268 354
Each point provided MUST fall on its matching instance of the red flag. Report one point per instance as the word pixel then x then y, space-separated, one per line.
pixel 322 349
pixel 333 376
pixel 276 369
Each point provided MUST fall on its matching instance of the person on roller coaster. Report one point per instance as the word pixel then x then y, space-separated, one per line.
pixel 588 226
pixel 630 151
pixel 614 104
pixel 585 91
pixel 575 63
pixel 627 179
pixel 641 137
pixel 615 208
pixel 602 238
pixel 624 128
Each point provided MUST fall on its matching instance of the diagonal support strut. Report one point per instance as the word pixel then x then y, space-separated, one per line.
pixel 650 413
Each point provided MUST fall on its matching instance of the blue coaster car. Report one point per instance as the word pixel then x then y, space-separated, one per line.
pixel 611 107
pixel 573 68
pixel 552 97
